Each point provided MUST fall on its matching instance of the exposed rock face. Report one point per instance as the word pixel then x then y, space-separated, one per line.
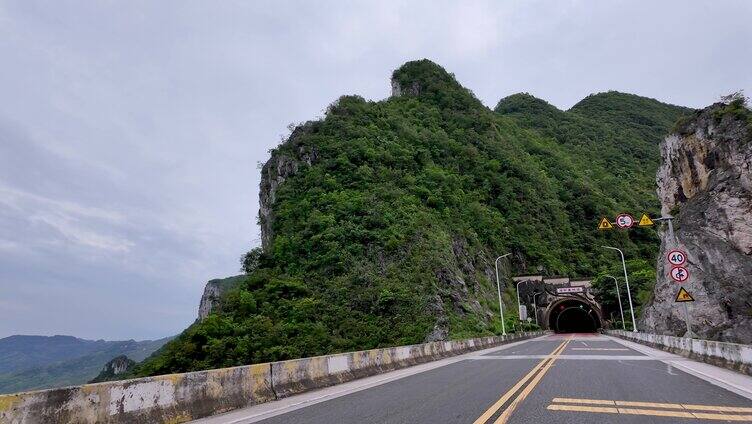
pixel 412 89
pixel 213 292
pixel 117 366
pixel 284 162
pixel 705 181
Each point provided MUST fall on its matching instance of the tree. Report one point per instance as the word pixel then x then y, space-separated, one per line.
pixel 250 261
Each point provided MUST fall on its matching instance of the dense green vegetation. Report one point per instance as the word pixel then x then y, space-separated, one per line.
pixel 736 106
pixel 392 232
pixel 641 282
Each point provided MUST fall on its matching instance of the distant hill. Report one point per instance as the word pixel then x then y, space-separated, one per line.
pixel 39 362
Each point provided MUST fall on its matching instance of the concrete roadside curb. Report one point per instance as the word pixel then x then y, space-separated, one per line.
pixel 177 398
pixel 733 356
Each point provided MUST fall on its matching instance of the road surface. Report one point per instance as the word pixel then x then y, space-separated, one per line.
pixel 579 378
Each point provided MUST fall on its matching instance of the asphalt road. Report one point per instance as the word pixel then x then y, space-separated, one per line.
pixel 584 378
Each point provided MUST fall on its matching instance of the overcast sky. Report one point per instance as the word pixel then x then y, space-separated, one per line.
pixel 130 131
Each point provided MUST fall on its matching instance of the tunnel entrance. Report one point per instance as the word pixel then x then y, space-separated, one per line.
pixel 573 315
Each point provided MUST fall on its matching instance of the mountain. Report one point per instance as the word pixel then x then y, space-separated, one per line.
pixel 39 362
pixel 705 182
pixel 114 368
pixel 382 221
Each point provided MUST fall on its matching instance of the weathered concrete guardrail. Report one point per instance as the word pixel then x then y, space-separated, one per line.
pixel 733 356
pixel 178 398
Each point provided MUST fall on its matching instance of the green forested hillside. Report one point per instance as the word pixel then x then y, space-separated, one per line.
pixel 389 235
pixel 40 362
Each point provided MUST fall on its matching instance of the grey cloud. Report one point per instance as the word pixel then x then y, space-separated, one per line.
pixel 130 130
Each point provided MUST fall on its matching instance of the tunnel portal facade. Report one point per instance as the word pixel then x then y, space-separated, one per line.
pixel 559 304
pixel 573 315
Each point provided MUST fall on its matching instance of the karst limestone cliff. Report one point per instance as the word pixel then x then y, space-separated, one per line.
pixel 705 182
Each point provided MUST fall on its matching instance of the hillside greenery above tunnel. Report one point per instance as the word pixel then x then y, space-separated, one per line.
pixel 384 218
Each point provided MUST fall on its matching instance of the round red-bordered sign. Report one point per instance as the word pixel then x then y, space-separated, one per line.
pixel 624 220
pixel 679 274
pixel 676 257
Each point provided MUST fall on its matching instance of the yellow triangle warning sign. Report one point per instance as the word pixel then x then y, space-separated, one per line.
pixel 645 221
pixel 684 296
pixel 605 224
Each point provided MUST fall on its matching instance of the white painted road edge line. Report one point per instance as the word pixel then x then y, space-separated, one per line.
pixel 266 410
pixel 721 377
pixel 575 357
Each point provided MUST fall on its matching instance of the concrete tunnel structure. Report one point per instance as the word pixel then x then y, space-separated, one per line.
pixel 573 314
pixel 562 305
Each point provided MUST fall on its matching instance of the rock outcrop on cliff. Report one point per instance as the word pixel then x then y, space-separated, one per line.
pixel 706 184
pixel 213 292
pixel 284 163
pixel 115 368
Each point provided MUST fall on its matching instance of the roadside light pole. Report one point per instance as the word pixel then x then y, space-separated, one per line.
pixel 618 298
pixel 535 307
pixel 626 280
pixel 498 287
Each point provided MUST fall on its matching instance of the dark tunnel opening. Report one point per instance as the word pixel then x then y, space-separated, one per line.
pixel 573 316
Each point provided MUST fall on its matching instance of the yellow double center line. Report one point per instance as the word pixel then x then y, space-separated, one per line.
pixel 534 376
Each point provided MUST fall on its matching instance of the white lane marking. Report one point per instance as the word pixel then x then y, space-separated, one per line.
pixel 573 357
pixel 691 366
pixel 585 344
pixel 267 410
pixel 599 348
pixel 669 370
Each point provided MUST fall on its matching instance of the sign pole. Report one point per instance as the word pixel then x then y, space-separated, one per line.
pixel 671 229
pixel 672 243
pixel 686 319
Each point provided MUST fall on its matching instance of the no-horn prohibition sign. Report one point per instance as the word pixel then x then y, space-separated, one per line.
pixel 679 274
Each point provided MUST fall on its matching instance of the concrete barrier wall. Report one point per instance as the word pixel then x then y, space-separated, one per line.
pixel 737 357
pixel 178 398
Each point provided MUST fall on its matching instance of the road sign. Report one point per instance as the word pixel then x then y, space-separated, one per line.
pixel 683 296
pixel 577 289
pixel 679 274
pixel 677 257
pixel 605 225
pixel 645 221
pixel 624 220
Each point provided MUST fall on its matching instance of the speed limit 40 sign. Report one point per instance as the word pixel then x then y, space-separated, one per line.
pixel 677 257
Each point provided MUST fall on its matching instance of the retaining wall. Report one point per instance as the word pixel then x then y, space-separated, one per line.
pixel 178 398
pixel 734 356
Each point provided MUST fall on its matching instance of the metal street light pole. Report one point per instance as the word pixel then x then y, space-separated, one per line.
pixel 498 287
pixel 618 297
pixel 626 280
pixel 535 307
